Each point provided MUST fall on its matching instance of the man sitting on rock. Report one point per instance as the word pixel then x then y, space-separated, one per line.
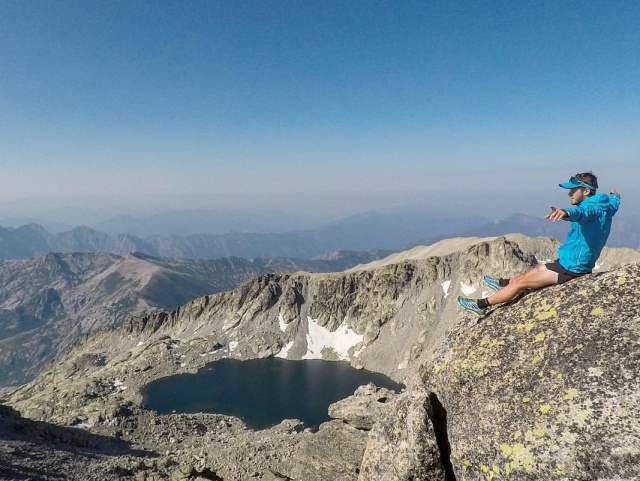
pixel 590 226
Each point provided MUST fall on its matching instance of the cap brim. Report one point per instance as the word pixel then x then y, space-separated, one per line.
pixel 569 185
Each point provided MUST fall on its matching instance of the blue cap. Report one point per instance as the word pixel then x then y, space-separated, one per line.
pixel 573 183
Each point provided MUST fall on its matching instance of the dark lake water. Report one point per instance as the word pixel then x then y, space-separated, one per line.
pixel 262 392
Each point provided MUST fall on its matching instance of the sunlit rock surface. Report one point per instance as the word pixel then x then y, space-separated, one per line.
pixel 547 388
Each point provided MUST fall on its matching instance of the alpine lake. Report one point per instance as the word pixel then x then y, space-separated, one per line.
pixel 262 392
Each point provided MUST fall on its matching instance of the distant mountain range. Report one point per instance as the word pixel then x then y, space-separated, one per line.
pixel 357 233
pixel 183 223
pixel 179 222
pixel 200 221
pixel 361 232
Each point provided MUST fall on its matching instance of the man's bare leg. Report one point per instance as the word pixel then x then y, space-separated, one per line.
pixel 535 278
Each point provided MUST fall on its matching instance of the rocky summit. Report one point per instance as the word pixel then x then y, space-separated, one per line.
pixel 543 388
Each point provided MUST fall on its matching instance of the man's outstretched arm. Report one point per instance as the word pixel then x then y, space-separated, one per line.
pixel 560 214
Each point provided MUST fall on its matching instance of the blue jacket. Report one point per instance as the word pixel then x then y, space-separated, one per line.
pixel 590 227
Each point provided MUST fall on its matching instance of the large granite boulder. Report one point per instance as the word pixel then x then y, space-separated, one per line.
pixel 364 408
pixel 409 443
pixel 546 388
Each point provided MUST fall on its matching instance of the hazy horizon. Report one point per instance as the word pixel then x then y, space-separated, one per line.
pixel 320 110
pixel 297 211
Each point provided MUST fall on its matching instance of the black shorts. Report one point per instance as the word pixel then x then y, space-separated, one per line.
pixel 563 274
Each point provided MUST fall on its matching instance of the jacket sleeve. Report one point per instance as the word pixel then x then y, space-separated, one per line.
pixel 588 210
pixel 614 200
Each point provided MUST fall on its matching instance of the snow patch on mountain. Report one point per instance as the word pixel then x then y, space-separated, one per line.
pixel 340 340
pixel 284 352
pixel 283 325
pixel 466 289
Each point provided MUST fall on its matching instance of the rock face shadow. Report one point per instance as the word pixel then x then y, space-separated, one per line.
pixel 39 450
pixel 438 418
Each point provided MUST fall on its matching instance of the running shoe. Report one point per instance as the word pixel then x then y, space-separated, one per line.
pixel 491 283
pixel 471 306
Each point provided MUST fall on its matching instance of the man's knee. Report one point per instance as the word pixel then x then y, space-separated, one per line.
pixel 539 276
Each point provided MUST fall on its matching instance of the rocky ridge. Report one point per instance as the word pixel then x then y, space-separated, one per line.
pixel 400 320
pixel 47 303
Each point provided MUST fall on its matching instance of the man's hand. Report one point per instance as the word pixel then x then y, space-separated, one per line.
pixel 557 214
pixel 614 191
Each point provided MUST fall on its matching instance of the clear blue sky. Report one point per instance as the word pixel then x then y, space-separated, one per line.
pixel 479 105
